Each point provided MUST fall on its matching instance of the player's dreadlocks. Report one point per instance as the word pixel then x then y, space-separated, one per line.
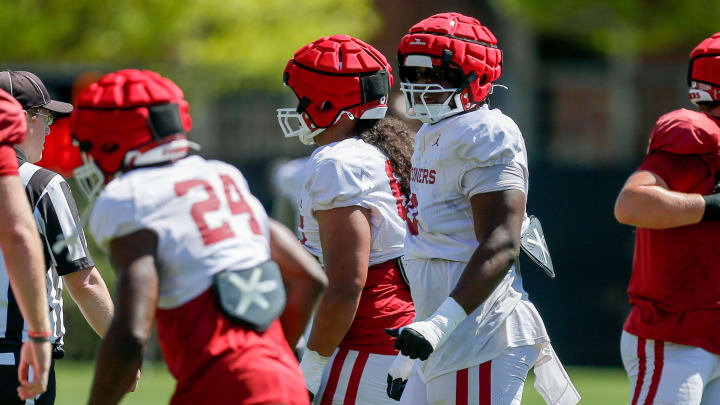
pixel 394 139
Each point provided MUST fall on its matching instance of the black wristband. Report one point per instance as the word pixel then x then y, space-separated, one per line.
pixel 712 207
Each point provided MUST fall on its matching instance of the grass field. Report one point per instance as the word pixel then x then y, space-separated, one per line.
pixel 598 386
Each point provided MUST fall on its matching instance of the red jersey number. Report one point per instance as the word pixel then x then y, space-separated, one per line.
pixel 236 203
pixel 402 210
pixel 411 212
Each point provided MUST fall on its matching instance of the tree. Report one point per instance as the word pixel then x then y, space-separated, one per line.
pixel 620 27
pixel 236 43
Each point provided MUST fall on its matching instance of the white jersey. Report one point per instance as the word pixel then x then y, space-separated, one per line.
pixel 203 214
pixel 353 173
pixel 477 152
pixel 444 177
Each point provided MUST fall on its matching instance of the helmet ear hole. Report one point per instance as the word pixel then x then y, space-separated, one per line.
pixel 326 105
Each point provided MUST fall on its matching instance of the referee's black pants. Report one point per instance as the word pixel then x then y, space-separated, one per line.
pixel 9 356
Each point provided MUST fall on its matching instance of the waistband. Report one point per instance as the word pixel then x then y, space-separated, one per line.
pixel 392 263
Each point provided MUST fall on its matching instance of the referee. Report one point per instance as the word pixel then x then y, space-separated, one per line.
pixel 57 219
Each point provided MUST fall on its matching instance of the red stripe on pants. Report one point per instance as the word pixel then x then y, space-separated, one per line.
pixel 642 369
pixel 334 377
pixel 485 388
pixel 461 387
pixel 355 375
pixel 657 372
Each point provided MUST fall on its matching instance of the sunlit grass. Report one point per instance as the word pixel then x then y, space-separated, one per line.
pixel 598 386
pixel 74 379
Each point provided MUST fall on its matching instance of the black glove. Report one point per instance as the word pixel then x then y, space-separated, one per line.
pixel 395 387
pixel 411 343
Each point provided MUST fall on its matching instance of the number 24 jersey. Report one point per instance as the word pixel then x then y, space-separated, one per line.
pixel 204 217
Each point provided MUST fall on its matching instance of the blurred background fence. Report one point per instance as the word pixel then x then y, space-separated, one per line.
pixel 587 80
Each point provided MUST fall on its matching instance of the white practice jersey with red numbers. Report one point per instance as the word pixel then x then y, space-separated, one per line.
pixel 444 153
pixel 204 216
pixel 353 173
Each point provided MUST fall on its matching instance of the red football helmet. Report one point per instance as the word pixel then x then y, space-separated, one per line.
pixel 704 71
pixel 334 78
pixel 450 48
pixel 126 119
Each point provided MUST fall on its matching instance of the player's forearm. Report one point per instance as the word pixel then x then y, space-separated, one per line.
pixel 121 352
pixel 118 361
pixel 655 207
pixel 89 291
pixel 302 298
pixel 333 319
pixel 487 267
pixel 303 278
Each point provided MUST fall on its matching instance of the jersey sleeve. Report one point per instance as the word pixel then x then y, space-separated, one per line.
pixel 509 176
pixel 62 223
pixel 114 215
pixel 490 144
pixel 8 161
pixel 336 184
pixel 685 132
pixel 680 172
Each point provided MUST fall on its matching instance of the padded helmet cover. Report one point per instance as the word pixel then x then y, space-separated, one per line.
pixel 473 48
pixel 704 70
pixel 335 74
pixel 113 115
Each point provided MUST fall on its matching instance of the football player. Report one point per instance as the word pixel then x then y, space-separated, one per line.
pixel 476 332
pixel 670 346
pixel 351 214
pixel 193 248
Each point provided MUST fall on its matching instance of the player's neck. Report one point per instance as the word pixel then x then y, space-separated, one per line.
pixel 336 133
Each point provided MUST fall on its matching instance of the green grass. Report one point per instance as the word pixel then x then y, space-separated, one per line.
pixel 74 379
pixel 597 386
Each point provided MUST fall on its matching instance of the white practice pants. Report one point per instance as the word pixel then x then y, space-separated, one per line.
pixel 353 377
pixel 664 373
pixel 499 381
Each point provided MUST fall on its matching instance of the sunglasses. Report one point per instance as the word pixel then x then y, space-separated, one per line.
pixel 49 118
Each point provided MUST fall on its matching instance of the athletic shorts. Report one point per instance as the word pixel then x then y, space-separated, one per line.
pixel 669 373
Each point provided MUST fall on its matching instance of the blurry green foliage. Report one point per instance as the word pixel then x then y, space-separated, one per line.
pixel 245 41
pixel 620 27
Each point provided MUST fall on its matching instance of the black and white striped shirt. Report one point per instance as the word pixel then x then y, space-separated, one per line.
pixel 56 217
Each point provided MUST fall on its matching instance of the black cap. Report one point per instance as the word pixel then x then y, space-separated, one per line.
pixel 30 91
